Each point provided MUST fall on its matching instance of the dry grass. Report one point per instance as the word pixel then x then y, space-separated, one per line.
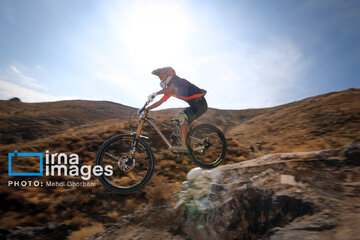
pixel 159 189
pixel 327 121
pixel 86 232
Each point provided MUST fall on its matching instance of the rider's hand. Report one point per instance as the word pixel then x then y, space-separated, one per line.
pixel 151 97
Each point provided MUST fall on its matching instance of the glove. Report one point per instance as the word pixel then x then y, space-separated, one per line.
pixel 151 97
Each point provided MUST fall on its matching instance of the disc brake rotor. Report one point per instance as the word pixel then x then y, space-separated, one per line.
pixel 126 164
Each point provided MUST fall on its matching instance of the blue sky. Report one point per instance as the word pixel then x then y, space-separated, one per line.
pixel 246 54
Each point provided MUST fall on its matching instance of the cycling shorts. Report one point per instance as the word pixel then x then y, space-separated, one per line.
pixel 197 108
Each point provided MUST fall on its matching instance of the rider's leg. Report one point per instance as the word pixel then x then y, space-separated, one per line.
pixel 183 132
pixel 188 115
pixel 184 126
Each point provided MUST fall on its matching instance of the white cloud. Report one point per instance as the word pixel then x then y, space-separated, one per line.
pixel 251 76
pixel 235 74
pixel 130 88
pixel 14 83
pixel 26 80
pixel 9 90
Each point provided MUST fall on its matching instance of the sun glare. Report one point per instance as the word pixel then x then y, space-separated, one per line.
pixel 155 32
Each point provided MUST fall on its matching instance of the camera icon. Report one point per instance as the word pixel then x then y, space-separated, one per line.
pixel 23 156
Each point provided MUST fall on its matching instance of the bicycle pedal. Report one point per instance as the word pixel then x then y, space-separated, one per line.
pixel 178 149
pixel 179 152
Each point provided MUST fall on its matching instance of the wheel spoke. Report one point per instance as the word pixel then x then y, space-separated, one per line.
pixel 129 174
pixel 208 145
pixel 112 156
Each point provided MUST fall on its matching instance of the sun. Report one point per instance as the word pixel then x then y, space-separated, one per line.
pixel 155 32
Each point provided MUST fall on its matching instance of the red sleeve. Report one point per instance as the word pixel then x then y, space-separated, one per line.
pixel 165 97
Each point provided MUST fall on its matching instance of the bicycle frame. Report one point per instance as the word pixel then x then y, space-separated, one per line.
pixel 143 118
pixel 115 151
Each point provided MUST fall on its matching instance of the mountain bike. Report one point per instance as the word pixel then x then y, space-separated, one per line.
pixel 133 161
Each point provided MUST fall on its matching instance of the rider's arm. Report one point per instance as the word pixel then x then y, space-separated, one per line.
pixel 163 91
pixel 155 105
pixel 166 92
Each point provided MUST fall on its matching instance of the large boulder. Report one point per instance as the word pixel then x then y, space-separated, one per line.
pixel 260 198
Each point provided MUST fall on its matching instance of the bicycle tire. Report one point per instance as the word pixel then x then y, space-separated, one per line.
pixel 202 150
pixel 112 152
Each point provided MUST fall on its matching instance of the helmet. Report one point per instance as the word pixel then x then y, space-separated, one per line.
pixel 165 74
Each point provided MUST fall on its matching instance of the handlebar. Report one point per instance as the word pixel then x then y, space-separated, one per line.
pixel 150 99
pixel 143 108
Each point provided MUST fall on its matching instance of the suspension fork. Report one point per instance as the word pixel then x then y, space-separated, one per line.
pixel 138 133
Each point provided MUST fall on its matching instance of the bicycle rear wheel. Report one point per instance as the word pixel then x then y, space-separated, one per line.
pixel 206 145
pixel 128 174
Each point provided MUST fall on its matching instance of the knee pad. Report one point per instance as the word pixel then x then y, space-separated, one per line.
pixel 183 118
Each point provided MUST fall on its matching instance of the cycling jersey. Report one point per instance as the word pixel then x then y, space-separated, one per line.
pixel 190 93
pixel 184 90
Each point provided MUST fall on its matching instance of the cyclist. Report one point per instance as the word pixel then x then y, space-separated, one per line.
pixel 174 86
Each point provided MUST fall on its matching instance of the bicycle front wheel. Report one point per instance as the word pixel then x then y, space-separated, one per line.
pixel 129 174
pixel 206 145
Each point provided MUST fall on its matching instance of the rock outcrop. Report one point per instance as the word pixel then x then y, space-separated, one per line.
pixel 14 99
pixel 312 195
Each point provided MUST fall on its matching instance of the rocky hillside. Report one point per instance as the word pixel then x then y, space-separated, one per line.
pixel 309 195
pixel 30 121
pixel 327 121
pixel 316 123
